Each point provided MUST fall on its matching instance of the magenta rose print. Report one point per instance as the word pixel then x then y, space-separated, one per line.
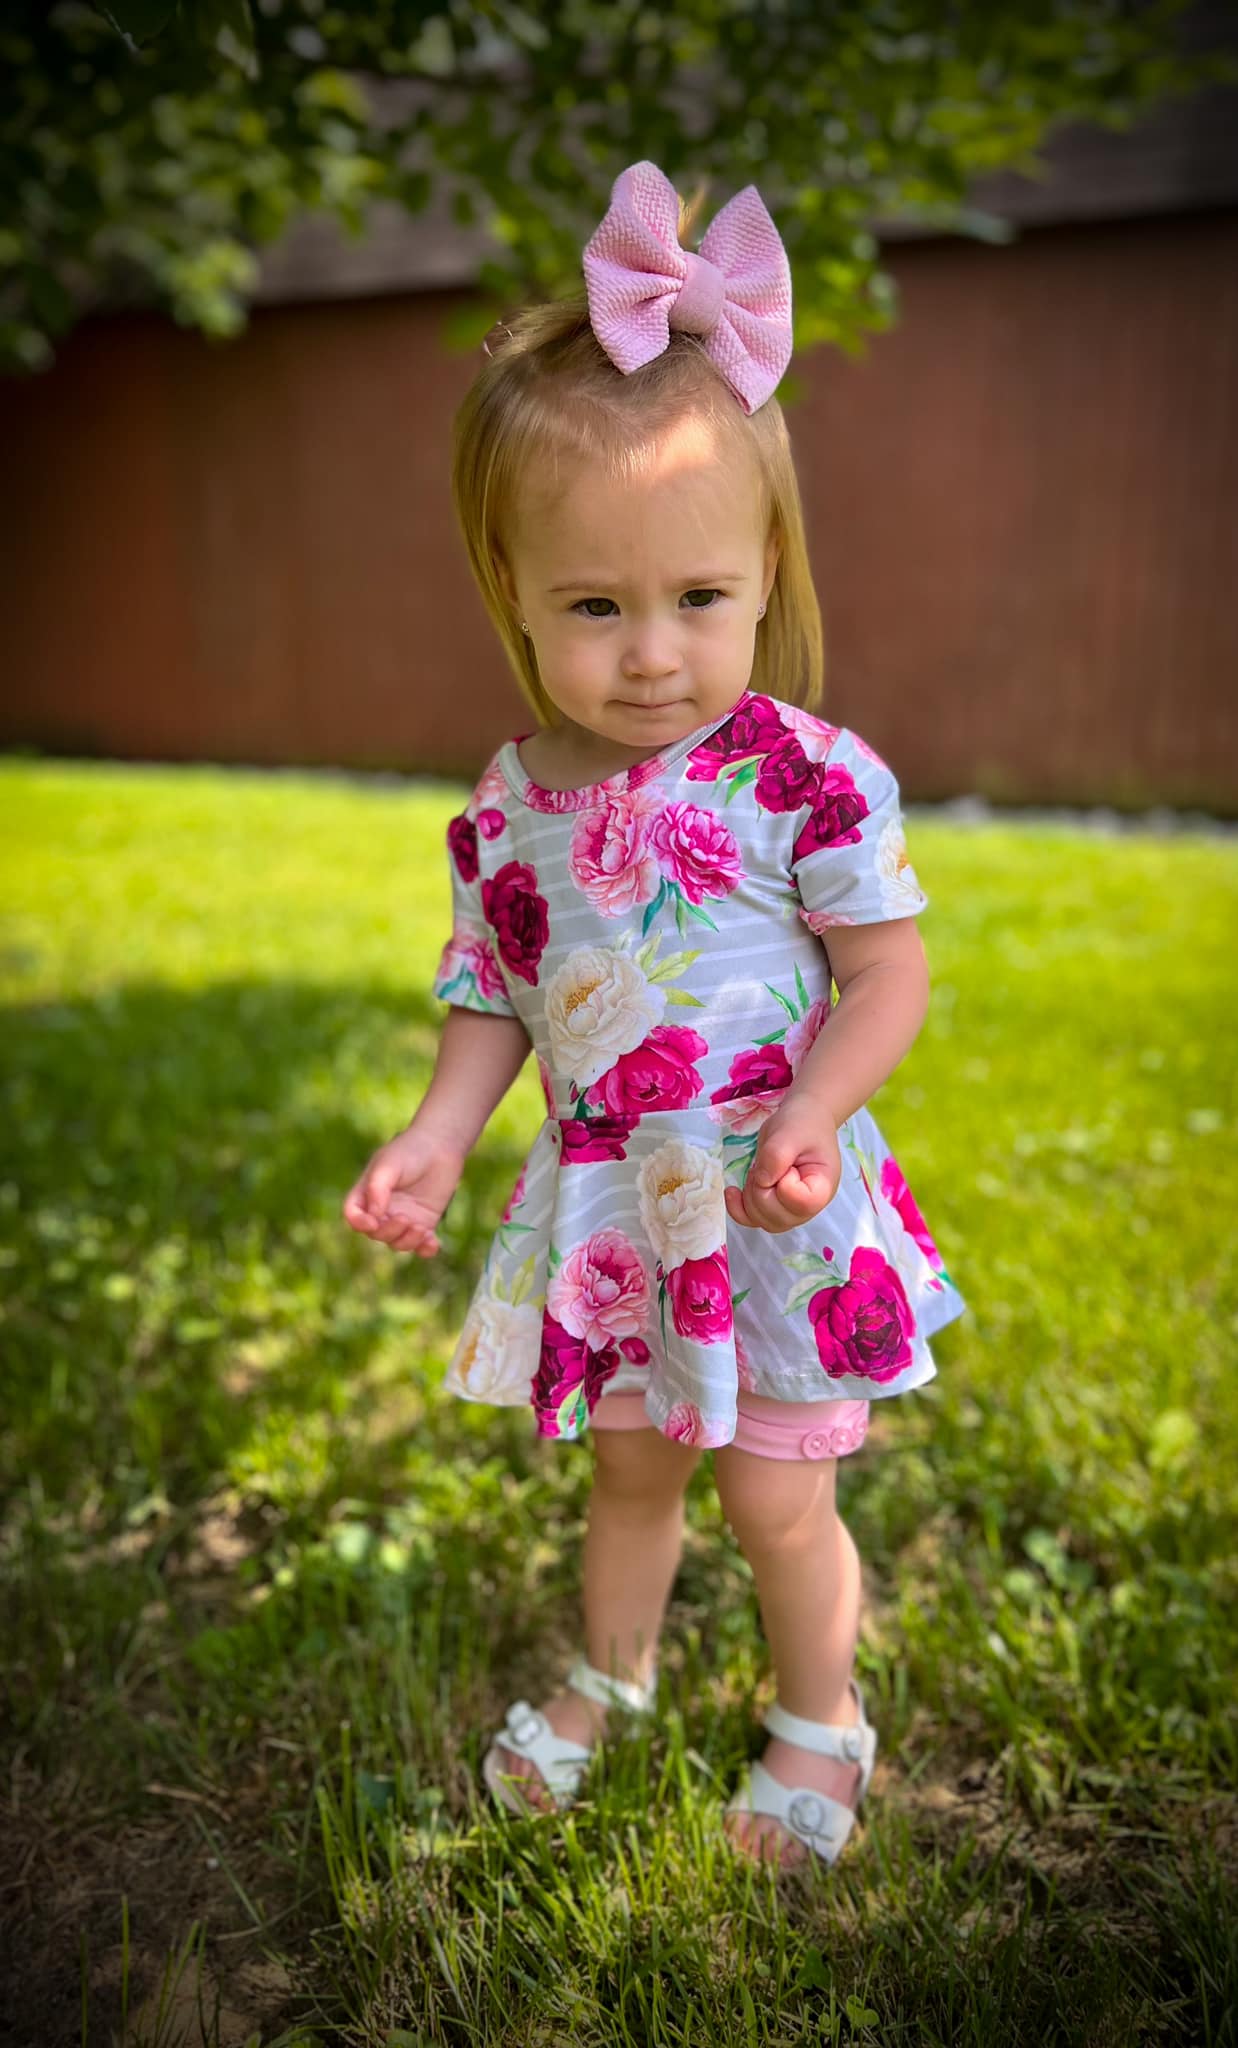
pixel 699 857
pixel 699 1292
pixel 604 1015
pixel 861 1318
pixel 519 916
pixel 838 810
pixel 896 1191
pixel 462 846
pixel 758 1077
pixel 490 823
pixel 777 752
pixel 659 1073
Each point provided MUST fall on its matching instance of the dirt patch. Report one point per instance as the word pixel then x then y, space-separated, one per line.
pixel 63 1876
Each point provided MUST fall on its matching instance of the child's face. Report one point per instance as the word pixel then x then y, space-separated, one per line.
pixel 642 595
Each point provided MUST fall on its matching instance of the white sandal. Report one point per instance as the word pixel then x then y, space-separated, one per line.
pixel 821 1823
pixel 562 1763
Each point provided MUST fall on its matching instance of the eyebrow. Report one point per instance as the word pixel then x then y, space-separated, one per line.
pixel 703 582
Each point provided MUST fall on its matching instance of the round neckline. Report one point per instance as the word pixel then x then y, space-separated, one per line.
pixel 540 798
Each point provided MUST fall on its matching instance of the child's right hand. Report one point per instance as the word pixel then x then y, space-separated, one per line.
pixel 403 1192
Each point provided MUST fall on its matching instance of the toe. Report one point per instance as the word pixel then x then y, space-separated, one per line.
pixel 532 1785
pixel 764 1839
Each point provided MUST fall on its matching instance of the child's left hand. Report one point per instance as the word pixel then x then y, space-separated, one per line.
pixel 794 1174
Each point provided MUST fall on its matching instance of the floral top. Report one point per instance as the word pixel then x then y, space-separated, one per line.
pixel 663 936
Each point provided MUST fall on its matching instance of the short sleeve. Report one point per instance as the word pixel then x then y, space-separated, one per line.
pixel 468 972
pixel 849 859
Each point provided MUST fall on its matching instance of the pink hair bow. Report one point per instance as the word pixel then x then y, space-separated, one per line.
pixel 736 292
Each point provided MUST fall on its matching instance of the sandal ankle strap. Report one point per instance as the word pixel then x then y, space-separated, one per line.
pixel 612 1692
pixel 854 1744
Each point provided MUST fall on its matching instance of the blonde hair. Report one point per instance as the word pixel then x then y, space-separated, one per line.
pixel 548 388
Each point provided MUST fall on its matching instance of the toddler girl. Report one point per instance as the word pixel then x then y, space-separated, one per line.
pixel 710 1246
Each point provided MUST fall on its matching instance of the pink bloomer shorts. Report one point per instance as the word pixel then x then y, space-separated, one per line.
pixel 773 1429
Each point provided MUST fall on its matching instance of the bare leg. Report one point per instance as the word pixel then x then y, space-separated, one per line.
pixel 631 1555
pixel 807 1574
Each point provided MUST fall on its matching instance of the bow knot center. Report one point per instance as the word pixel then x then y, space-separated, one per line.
pixel 698 302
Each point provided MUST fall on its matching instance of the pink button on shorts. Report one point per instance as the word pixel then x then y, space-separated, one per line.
pixel 773 1429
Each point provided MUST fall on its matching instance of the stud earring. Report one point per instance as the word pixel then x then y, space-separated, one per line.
pixel 761 611
pixel 524 625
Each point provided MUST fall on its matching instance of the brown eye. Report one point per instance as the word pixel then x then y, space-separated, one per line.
pixel 593 600
pixel 710 594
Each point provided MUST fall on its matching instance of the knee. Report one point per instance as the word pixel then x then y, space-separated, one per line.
pixel 641 1469
pixel 775 1506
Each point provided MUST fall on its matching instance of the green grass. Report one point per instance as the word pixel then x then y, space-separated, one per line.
pixel 267 1589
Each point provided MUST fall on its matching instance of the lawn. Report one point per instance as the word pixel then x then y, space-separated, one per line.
pixel 267 1589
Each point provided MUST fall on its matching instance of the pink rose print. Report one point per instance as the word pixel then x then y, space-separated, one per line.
pixel 520 917
pixel 835 817
pixel 490 823
pixel 787 779
pixel 863 1326
pixel 543 1075
pixel 814 734
pixel 595 1137
pixel 801 1035
pixel 870 753
pixel 896 1191
pixel 515 1198
pixel 700 1293
pixel 635 1350
pixel 464 954
pixel 684 1424
pixel 753 728
pixel 743 1366
pixel 696 850
pixel 754 1087
pixel 656 1074
pixel 611 861
pixel 462 845
pixel 601 1291
pixel 822 920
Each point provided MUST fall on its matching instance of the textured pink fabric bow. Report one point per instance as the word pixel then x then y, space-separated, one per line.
pixel 736 292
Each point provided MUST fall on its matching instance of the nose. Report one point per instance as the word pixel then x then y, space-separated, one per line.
pixel 650 654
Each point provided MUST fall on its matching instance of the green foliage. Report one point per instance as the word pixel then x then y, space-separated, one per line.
pixel 148 148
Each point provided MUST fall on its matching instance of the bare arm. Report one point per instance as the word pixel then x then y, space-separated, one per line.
pixel 479 1056
pixel 883 984
pixel 402 1192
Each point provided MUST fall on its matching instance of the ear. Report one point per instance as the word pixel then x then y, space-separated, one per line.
pixel 773 550
pixel 507 582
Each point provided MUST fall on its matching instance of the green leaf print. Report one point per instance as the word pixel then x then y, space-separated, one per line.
pixel 554 1259
pixel 655 906
pixel 681 996
pixel 694 910
pixel 522 1281
pixel 739 775
pixel 743 1294
pixel 772 1037
pixel 572 1413
pixel 786 1002
pixel 801 990
pixel 673 965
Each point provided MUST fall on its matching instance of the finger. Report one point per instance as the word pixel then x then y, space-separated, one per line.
pixel 378 1185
